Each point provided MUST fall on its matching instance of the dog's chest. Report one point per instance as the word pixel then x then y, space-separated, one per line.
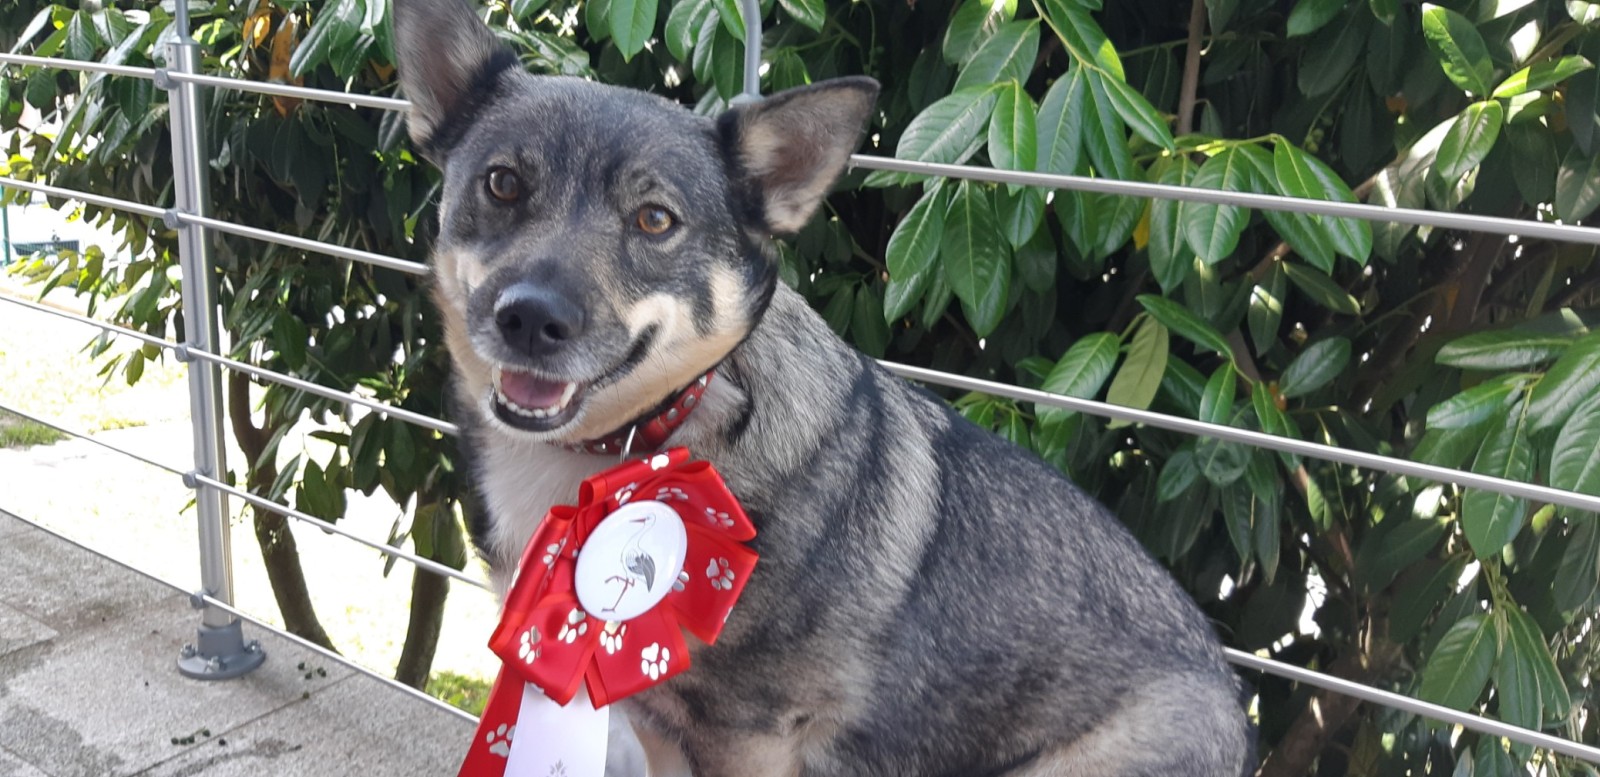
pixel 520 482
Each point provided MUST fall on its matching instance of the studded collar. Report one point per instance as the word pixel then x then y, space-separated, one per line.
pixel 649 435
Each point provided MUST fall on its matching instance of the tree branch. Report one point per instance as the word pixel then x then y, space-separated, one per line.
pixel 1189 93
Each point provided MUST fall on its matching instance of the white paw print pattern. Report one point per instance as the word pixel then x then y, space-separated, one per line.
pixel 721 576
pixel 669 493
pixel 553 551
pixel 683 580
pixel 653 660
pixel 499 739
pixel 719 518
pixel 528 651
pixel 626 492
pixel 659 461
pixel 575 627
pixel 611 637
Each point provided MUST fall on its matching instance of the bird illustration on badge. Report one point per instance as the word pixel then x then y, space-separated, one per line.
pixel 637 563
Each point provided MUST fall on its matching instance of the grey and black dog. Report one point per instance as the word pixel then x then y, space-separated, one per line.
pixel 930 599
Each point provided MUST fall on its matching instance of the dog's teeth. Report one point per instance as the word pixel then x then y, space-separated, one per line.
pixel 566 395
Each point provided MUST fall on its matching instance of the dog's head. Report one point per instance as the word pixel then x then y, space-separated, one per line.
pixel 600 248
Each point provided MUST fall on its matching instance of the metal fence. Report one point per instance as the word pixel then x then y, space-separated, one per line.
pixel 222 652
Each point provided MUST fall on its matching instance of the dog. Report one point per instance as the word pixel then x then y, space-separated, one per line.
pixel 930 600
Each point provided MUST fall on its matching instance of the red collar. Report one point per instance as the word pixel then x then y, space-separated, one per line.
pixel 649 436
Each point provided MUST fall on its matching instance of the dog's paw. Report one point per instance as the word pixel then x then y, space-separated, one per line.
pixel 499 739
pixel 611 637
pixel 653 660
pixel 576 626
pixel 528 650
pixel 719 573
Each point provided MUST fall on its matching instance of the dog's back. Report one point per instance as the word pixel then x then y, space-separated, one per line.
pixel 934 600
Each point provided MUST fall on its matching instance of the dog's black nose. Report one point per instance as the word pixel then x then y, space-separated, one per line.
pixel 535 320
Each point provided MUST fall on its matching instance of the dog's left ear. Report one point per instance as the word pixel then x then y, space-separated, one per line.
pixel 789 148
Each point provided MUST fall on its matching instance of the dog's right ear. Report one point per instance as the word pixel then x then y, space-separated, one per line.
pixel 448 62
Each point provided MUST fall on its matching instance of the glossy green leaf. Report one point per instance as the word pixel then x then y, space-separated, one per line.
pixel 1575 464
pixel 1459 666
pixel 1577 578
pixel 1309 16
pixel 1177 475
pixel 1535 161
pixel 1060 124
pixel 1013 130
pixel 1321 289
pixel 811 13
pixel 1186 324
pixel 1490 519
pixel 1035 259
pixel 332 30
pixel 1315 367
pixel 1139 378
pixel 973 24
pixel 1082 36
pixel 1302 175
pixel 632 23
pixel 1213 230
pixel 1081 371
pixel 1570 381
pixel 867 327
pixel 913 253
pixel 1383 557
pixel 1475 405
pixel 1105 139
pixel 1136 112
pixel 1526 677
pixel 684 24
pixel 1006 56
pixel 1542 76
pixel 1216 403
pixel 731 13
pixel 1459 48
pixel 1171 259
pixel 1470 139
pixel 1583 12
pixel 1265 315
pixel 1332 56
pixel 976 261
pixel 951 130
pixel 1577 185
pixel 82 40
pixel 1502 350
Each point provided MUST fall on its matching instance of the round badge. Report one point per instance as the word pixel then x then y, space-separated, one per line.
pixel 631 561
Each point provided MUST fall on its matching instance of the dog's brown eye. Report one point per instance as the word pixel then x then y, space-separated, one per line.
pixel 655 220
pixel 504 184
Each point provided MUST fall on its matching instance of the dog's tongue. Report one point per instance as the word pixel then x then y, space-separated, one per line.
pixel 529 391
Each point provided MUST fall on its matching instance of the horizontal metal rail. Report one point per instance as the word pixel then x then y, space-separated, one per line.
pixel 261 373
pixel 266 504
pixel 108 328
pixel 286 90
pixel 425 421
pixel 1250 437
pixel 1416 706
pixel 114 203
pixel 324 652
pixel 306 244
pixel 91 440
pixel 1414 216
pixel 1253 438
pixel 1237 657
pixel 23 60
pixel 289 512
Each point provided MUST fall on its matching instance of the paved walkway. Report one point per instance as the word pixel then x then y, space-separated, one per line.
pixel 89 687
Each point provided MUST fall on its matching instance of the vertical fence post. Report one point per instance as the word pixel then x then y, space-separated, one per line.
pixel 220 652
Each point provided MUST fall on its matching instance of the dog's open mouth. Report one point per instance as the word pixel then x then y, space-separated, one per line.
pixel 531 403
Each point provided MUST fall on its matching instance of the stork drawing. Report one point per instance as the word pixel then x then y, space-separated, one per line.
pixel 637 564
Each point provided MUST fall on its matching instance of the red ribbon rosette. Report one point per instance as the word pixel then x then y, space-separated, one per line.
pixel 641 596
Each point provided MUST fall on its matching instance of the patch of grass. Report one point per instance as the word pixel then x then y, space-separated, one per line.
pixel 467 693
pixel 113 422
pixel 17 432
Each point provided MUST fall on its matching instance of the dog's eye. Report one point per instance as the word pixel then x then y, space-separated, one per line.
pixel 654 220
pixel 504 185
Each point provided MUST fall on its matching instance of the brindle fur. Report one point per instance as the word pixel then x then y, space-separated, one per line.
pixel 930 599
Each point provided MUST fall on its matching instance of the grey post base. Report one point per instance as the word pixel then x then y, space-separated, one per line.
pixel 221 654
